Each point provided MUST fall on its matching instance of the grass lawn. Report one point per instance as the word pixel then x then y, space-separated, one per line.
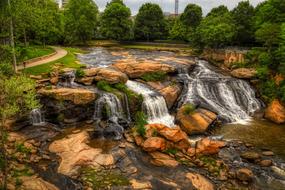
pixel 31 52
pixel 69 61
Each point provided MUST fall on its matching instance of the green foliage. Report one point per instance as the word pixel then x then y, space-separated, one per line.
pixel 80 20
pixel 115 22
pixel 30 52
pixel 155 76
pixel 264 59
pixel 218 11
pixel 105 86
pixel 268 34
pixel 188 109
pixel 149 23
pixel 178 31
pixel 268 89
pixel 172 151
pixel 192 16
pixel 6 69
pixel 79 73
pixel 20 147
pixel 140 122
pixel 102 178
pixel 263 72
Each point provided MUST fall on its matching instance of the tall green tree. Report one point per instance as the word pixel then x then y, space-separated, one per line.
pixel 192 16
pixel 149 23
pixel 218 11
pixel 80 20
pixel 179 31
pixel 243 16
pixel 115 22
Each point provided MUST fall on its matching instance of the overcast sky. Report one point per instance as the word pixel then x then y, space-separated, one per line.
pixel 168 5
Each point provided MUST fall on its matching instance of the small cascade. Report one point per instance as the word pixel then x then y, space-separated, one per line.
pixel 233 99
pixel 154 105
pixel 37 118
pixel 108 107
pixel 68 80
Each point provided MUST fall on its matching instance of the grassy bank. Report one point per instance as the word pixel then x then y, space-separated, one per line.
pixel 31 52
pixel 69 61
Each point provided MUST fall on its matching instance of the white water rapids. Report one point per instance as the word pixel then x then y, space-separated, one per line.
pixel 154 104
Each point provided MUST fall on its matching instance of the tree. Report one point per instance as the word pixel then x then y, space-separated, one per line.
pixel 178 31
pixel 268 34
pixel 192 15
pixel 149 22
pixel 115 21
pixel 218 11
pixel 17 97
pixel 243 16
pixel 216 31
pixel 80 20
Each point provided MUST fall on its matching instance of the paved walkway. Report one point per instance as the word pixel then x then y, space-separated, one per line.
pixel 60 53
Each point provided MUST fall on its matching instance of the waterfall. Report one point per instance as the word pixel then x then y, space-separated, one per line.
pixel 154 105
pixel 68 80
pixel 232 99
pixel 36 117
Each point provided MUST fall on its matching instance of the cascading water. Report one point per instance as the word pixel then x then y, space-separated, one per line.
pixel 154 104
pixel 233 99
pixel 68 80
pixel 36 117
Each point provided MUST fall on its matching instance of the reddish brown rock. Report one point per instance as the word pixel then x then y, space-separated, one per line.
pixel 153 144
pixel 196 122
pixel 170 94
pixel 161 159
pixel 200 182
pixel 244 73
pixel 208 146
pixel 275 112
pixel 137 69
pixel 266 163
pixel 244 174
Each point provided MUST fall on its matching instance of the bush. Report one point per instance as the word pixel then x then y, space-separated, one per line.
pixel 105 86
pixel 262 72
pixel 6 69
pixel 188 109
pixel 140 122
pixel 156 76
pixel 79 73
pixel 268 90
pixel 264 59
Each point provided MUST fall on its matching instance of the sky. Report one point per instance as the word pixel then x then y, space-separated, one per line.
pixel 168 5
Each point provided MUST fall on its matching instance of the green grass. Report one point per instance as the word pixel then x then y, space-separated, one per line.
pixel 188 109
pixel 31 52
pixel 156 76
pixel 140 122
pixel 69 61
pixel 105 86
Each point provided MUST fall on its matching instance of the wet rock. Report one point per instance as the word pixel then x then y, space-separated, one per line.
pixel 75 152
pixel 140 185
pixel 161 159
pixel 54 80
pixel 136 70
pixel 267 153
pixel 77 96
pixel 275 112
pixel 196 122
pixel 265 163
pixel 245 174
pixel 280 172
pixel 139 140
pixel 85 80
pixel 170 94
pixel 250 156
pixel 208 146
pixel 35 183
pixel 244 73
pixel 200 182
pixel 153 144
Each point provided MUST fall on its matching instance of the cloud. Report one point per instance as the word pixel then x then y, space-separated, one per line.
pixel 168 5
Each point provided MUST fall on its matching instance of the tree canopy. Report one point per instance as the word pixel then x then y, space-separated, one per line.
pixel 192 15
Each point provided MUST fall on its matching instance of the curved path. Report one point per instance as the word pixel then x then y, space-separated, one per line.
pixel 60 53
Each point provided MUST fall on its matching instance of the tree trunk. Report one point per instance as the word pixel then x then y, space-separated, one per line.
pixel 3 152
pixel 12 38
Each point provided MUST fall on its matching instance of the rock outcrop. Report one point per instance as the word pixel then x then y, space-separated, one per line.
pixel 207 146
pixel 153 144
pixel 196 122
pixel 170 94
pixel 35 183
pixel 244 73
pixel 275 112
pixel 136 70
pixel 200 182
pixel 77 96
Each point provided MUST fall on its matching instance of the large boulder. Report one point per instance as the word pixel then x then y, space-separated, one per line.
pixel 170 94
pixel 275 112
pixel 109 75
pixel 36 183
pixel 244 73
pixel 207 146
pixel 153 144
pixel 200 182
pixel 77 96
pixel 75 152
pixel 196 122
pixel 161 159
pixel 136 69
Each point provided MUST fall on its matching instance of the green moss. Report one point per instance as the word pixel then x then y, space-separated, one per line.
pixel 155 76
pixel 20 147
pixel 140 122
pixel 105 86
pixel 100 179
pixel 79 73
pixel 69 61
pixel 171 151
pixel 188 109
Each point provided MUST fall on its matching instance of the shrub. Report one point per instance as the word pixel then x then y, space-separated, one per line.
pixel 188 109
pixel 264 59
pixel 262 72
pixel 6 69
pixel 79 73
pixel 268 90
pixel 156 76
pixel 105 86
pixel 140 122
